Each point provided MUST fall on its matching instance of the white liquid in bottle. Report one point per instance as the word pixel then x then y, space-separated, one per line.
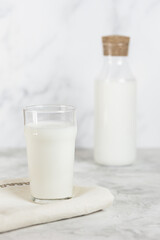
pixel 115 122
pixel 115 106
pixel 50 152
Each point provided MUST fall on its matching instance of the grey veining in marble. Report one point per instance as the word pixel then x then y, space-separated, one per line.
pixel 135 214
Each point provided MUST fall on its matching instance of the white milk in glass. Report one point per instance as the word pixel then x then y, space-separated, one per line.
pixel 50 152
pixel 115 122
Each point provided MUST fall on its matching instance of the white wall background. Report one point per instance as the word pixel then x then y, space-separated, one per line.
pixel 50 52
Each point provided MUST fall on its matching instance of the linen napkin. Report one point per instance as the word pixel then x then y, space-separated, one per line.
pixel 17 210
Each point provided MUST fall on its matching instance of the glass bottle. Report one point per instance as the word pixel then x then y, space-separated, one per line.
pixel 115 106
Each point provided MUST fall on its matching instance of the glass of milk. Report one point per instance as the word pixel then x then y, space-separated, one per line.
pixel 50 133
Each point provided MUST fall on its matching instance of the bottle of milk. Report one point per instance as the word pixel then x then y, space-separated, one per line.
pixel 115 106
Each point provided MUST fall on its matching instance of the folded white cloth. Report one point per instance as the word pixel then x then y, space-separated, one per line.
pixel 17 209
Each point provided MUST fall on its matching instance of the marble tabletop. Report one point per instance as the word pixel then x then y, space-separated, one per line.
pixel 135 213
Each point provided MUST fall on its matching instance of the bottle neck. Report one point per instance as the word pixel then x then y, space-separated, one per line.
pixel 116 60
pixel 115 68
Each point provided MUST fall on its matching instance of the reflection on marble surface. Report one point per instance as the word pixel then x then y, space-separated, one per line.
pixel 50 52
pixel 134 215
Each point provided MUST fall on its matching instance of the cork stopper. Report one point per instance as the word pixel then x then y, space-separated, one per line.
pixel 115 45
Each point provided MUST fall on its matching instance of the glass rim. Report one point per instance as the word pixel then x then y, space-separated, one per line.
pixel 52 108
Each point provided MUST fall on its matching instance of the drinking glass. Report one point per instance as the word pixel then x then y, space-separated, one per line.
pixel 50 133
